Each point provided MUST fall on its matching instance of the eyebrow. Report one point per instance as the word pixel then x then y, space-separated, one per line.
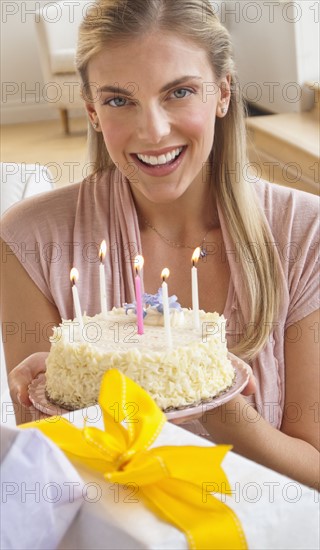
pixel 126 91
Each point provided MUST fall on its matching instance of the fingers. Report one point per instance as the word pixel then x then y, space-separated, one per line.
pixel 23 374
pixel 18 381
pixel 251 387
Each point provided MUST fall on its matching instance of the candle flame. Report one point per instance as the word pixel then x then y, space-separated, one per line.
pixel 165 273
pixel 74 275
pixel 103 250
pixel 138 263
pixel 196 255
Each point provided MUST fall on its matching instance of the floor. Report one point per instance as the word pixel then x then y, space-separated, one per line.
pixel 65 155
pixel 45 143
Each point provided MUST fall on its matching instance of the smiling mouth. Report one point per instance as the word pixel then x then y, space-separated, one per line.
pixel 161 160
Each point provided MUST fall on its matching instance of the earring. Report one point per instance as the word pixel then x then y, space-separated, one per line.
pixel 223 110
pixel 95 125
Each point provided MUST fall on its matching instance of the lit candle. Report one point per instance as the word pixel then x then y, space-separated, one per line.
pixel 102 278
pixel 195 292
pixel 138 264
pixel 74 276
pixel 166 311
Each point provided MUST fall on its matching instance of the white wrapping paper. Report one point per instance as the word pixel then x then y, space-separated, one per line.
pixel 41 492
pixel 275 511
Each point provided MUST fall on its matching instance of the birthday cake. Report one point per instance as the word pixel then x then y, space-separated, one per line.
pixel 195 367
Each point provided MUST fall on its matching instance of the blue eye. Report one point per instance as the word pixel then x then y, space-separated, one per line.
pixel 117 102
pixel 181 93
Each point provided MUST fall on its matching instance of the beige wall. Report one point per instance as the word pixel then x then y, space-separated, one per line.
pixel 266 51
pixel 276 47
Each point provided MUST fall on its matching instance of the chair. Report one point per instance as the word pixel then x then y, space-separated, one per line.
pixel 18 181
pixel 56 32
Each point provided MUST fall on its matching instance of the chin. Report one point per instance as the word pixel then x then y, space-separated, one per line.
pixel 161 196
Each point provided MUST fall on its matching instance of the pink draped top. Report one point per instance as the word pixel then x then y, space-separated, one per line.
pixel 55 231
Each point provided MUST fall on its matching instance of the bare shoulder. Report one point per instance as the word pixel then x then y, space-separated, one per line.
pixel 40 205
pixel 27 315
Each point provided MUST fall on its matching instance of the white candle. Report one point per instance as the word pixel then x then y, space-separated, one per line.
pixel 138 262
pixel 166 310
pixel 195 292
pixel 74 276
pixel 102 279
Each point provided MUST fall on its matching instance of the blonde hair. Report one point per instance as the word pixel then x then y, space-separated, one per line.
pixel 116 21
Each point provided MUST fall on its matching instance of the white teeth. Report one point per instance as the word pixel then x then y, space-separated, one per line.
pixel 162 159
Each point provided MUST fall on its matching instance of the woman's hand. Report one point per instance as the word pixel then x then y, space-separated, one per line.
pixel 19 379
pixel 250 388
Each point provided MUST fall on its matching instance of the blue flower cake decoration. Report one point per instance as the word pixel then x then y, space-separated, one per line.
pixel 155 302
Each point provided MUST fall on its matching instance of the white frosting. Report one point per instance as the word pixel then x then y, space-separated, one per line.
pixel 196 368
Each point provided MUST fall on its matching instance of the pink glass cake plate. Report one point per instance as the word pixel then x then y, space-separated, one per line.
pixel 40 401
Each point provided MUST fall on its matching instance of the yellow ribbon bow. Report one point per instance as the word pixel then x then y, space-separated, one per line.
pixel 171 478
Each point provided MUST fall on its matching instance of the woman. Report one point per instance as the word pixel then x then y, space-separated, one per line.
pixel 167 140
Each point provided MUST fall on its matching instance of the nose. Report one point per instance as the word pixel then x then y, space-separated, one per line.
pixel 153 124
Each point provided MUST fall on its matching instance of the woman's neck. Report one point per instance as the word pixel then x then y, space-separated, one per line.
pixel 190 215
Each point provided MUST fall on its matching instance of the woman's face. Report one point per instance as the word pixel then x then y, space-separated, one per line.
pixel 156 100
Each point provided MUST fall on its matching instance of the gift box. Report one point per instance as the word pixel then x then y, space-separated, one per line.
pixel 121 492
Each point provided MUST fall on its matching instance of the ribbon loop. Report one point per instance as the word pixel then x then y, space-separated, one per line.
pixel 122 400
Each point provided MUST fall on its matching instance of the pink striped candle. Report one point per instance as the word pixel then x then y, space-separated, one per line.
pixel 138 263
